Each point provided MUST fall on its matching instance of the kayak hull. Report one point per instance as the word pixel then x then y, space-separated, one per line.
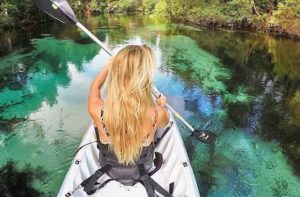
pixel 176 168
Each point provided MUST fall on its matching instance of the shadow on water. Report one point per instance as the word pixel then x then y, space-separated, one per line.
pixel 19 182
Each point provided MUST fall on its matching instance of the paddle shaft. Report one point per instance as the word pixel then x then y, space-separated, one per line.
pixel 157 94
pixel 94 38
pixel 180 117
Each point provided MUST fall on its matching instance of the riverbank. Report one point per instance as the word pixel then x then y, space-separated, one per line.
pixel 278 19
pixel 272 30
pixel 14 15
pixel 274 17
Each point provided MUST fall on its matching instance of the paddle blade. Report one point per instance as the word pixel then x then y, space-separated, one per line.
pixel 206 137
pixel 58 9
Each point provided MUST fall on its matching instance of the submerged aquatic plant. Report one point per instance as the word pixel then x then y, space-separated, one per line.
pixel 19 182
pixel 7 125
pixel 294 108
pixel 243 165
pixel 195 65
pixel 241 96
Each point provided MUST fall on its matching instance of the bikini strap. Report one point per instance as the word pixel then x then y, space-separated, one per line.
pixel 102 121
pixel 97 134
pixel 155 117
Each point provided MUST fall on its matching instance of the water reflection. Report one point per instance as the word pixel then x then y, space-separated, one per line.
pixel 264 71
pixel 245 84
pixel 30 78
pixel 31 108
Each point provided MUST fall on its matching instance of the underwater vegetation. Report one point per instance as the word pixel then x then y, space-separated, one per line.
pixel 294 107
pixel 8 125
pixel 241 71
pixel 19 182
pixel 31 76
pixel 198 67
pixel 185 59
pixel 241 165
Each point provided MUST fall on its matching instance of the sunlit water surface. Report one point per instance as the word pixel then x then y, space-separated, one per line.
pixel 246 85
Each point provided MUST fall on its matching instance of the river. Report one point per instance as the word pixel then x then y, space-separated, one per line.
pixel 246 85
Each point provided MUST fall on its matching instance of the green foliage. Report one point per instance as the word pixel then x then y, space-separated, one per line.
pixel 131 5
pixel 206 10
pixel 127 5
pixel 77 5
pixel 253 13
pixel 15 12
pixel 294 109
pixel 161 9
pixel 288 16
pixel 259 14
pixel 149 5
pixel 8 15
pixel 112 6
pixel 97 6
pixel 266 5
pixel 237 9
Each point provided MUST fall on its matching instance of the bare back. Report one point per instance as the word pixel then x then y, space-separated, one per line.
pixel 156 117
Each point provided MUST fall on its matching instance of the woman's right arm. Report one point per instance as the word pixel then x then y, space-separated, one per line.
pixel 164 117
pixel 94 100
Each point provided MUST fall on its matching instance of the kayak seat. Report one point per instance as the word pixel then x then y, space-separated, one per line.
pixel 141 171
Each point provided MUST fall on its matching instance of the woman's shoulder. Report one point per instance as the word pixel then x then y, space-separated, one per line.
pixel 162 116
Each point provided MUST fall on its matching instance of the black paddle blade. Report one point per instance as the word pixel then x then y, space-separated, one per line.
pixel 203 136
pixel 58 9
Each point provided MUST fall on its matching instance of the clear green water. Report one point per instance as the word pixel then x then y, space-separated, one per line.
pixel 247 85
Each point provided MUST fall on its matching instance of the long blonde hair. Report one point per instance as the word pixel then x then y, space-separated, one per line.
pixel 128 96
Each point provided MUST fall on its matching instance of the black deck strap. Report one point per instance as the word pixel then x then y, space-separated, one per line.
pixel 90 182
pixel 171 188
pixel 97 136
pixel 84 146
pixel 101 185
pixel 165 133
pixel 158 161
pixel 144 178
pixel 105 182
pixel 159 188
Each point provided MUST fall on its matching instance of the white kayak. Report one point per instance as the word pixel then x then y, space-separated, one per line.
pixel 176 168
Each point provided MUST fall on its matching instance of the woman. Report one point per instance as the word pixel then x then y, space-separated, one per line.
pixel 127 118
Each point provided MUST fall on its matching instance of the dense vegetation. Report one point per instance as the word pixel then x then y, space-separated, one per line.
pixel 281 17
pixel 18 13
pixel 275 16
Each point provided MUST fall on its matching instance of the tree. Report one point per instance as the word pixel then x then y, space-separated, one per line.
pixel 8 15
pixel 288 16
